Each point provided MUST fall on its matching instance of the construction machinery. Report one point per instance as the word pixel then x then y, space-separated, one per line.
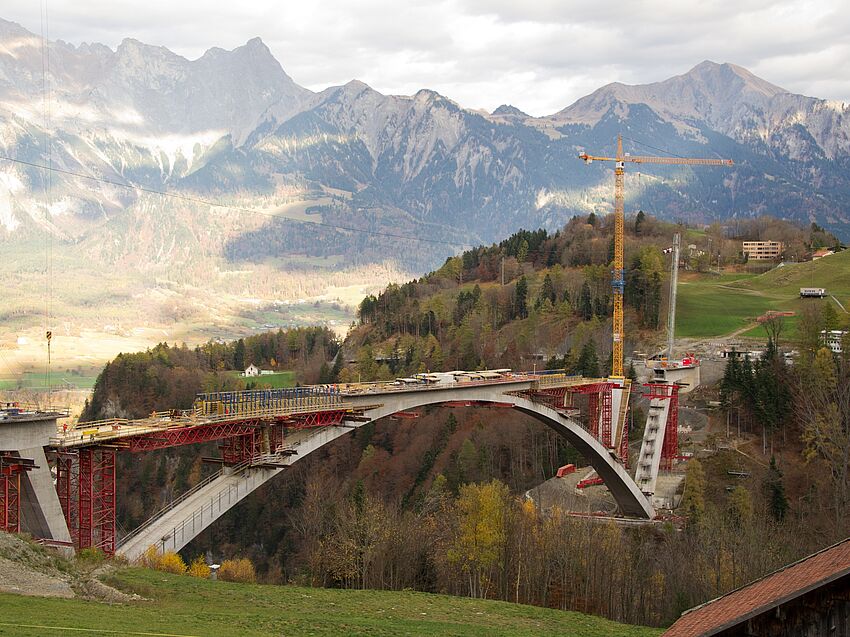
pixel 618 279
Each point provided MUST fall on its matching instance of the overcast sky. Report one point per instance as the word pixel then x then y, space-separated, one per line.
pixel 539 55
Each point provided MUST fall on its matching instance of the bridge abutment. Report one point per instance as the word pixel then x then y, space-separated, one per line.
pixel 25 436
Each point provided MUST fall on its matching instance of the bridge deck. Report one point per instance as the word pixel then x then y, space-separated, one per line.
pixel 115 431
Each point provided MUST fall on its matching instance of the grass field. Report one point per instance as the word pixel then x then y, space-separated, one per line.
pixel 711 306
pixel 58 379
pixel 183 606
pixel 274 381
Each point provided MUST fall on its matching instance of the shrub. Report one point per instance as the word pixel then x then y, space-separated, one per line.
pixel 170 562
pixel 199 568
pixel 149 558
pixel 92 555
pixel 240 570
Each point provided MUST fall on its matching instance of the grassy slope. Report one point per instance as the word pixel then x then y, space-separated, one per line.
pixel 181 605
pixel 275 381
pixel 716 306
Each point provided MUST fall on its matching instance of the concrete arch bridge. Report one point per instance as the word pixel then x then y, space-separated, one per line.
pixel 265 431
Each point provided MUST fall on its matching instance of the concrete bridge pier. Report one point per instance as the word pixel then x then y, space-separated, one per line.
pixel 25 436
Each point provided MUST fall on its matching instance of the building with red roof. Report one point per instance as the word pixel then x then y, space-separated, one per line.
pixel 810 598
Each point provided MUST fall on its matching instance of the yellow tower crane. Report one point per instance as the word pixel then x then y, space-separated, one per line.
pixel 618 281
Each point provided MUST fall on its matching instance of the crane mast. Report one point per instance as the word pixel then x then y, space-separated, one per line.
pixel 618 282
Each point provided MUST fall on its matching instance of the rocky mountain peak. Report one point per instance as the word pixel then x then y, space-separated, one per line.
pixel 719 77
pixel 720 94
pixel 507 109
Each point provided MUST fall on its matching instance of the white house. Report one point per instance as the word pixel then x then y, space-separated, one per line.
pixel 251 370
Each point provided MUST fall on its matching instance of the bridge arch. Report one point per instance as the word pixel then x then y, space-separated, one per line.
pixel 179 524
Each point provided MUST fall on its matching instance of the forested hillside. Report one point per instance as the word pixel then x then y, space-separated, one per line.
pixel 391 505
pixel 545 299
pixel 169 377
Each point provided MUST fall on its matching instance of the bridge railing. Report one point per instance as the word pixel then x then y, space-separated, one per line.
pixel 181 499
pixel 211 509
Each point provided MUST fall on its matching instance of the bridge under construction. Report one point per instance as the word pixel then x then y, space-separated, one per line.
pixel 59 483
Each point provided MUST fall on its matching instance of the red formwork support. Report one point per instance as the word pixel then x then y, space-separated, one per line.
pixel 104 503
pixel 4 503
pixel 593 414
pixel 316 419
pixel 96 508
pixel 239 449
pixel 554 396
pixel 11 468
pixel 85 497
pixel 66 488
pixel 180 436
pixel 670 450
pixel 600 402
pixel 10 501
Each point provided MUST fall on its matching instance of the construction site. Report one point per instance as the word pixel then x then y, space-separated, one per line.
pixel 58 480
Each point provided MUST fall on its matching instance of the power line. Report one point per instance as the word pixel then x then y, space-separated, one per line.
pixel 217 204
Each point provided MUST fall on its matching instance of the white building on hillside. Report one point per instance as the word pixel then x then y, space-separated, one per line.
pixel 832 339
pixel 251 370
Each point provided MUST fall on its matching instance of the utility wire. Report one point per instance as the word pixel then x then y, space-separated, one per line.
pixel 47 103
pixel 217 204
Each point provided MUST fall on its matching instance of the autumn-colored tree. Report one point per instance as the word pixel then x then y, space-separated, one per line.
pixel 693 496
pixel 823 407
pixel 478 546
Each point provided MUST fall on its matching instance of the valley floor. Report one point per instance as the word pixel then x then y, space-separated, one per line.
pixel 183 606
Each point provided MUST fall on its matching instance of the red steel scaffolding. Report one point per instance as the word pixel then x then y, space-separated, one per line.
pixel 599 409
pixel 11 468
pixel 670 449
pixel 96 507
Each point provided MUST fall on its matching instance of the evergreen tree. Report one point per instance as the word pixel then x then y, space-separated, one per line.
pixel 639 221
pixel 588 361
pixel 777 501
pixel 521 298
pixel 325 374
pixel 600 307
pixel 239 354
pixel 591 219
pixel 730 384
pixel 547 291
pixel 522 253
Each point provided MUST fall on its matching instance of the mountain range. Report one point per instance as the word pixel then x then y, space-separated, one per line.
pixel 277 192
pixel 233 127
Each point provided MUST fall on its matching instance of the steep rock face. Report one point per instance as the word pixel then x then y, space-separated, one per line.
pixel 232 125
pixel 728 99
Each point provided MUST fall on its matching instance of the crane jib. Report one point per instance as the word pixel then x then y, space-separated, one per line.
pixel 617 282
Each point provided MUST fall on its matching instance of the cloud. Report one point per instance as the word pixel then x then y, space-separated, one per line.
pixel 539 56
